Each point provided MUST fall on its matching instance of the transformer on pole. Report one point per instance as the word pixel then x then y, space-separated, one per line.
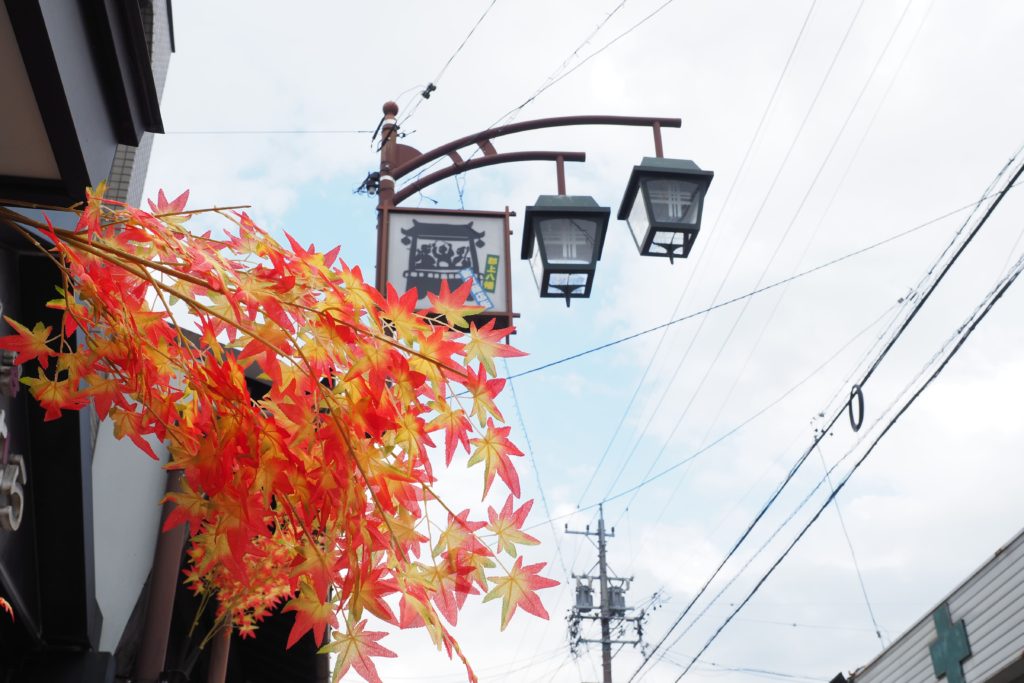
pixel 611 609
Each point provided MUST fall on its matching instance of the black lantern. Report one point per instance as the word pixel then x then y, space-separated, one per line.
pixel 563 238
pixel 665 218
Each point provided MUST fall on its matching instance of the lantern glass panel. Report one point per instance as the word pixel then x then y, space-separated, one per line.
pixel 638 222
pixel 672 201
pixel 564 284
pixel 667 242
pixel 568 240
pixel 537 266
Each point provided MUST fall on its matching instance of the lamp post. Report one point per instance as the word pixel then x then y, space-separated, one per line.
pixel 563 235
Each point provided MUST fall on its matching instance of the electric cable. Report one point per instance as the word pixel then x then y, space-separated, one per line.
pixel 586 59
pixel 325 131
pixel 712 233
pixel 425 94
pixel 853 553
pixel 764 409
pixel 755 292
pixel 565 63
pixel 961 336
pixel 757 215
pixel 885 350
pixel 540 488
pixel 764 271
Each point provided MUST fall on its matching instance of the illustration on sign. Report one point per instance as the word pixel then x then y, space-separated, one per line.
pixel 440 251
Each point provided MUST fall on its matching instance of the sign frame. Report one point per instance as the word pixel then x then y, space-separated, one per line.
pixel 502 318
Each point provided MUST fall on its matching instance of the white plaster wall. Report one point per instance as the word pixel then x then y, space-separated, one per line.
pixel 127 488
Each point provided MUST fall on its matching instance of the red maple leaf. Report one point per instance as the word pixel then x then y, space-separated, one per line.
pixel 495 451
pixel 484 345
pixel 30 344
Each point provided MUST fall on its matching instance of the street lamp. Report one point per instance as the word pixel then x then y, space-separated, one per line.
pixel 563 237
pixel 663 204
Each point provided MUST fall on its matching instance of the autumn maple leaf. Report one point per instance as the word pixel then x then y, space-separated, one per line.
pixel 483 391
pixel 30 344
pixel 170 211
pixel 354 649
pixel 495 451
pixel 519 589
pixel 507 526
pixel 483 345
pixel 310 614
pixel 54 395
pixel 456 427
pixel 452 305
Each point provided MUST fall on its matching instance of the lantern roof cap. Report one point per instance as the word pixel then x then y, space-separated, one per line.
pixel 554 203
pixel 657 165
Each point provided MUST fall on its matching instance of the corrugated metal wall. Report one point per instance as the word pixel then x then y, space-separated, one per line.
pixel 991 603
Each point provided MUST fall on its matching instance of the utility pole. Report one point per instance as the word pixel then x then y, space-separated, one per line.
pixel 612 592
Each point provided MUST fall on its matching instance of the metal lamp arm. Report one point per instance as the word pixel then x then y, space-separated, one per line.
pixel 511 157
pixel 483 137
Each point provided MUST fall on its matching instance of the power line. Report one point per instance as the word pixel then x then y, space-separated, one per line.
pixel 735 259
pixel 853 554
pixel 282 131
pixel 550 80
pixel 741 297
pixel 775 253
pixel 712 233
pixel 961 335
pixel 732 265
pixel 585 60
pixel 432 86
pixel 764 409
pixel 817 437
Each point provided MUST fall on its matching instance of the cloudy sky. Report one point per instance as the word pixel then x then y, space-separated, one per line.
pixel 890 114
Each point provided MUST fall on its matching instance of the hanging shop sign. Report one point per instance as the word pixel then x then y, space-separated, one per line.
pixel 424 247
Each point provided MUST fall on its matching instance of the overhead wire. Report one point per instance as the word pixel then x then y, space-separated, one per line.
pixel 586 59
pixel 437 79
pixel 565 63
pixel 757 215
pixel 853 553
pixel 541 490
pixel 879 357
pixel 960 336
pixel 764 271
pixel 325 131
pixel 712 233
pixel 696 335
pixel 741 297
pixel 721 438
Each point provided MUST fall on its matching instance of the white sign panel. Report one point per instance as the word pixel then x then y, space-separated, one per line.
pixel 426 248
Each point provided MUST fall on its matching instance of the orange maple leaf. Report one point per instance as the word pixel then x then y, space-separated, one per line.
pixel 483 391
pixel 310 614
pixel 483 345
pixel 354 649
pixel 54 395
pixel 519 589
pixel 30 344
pixel 494 450
pixel 507 526
pixel 452 305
